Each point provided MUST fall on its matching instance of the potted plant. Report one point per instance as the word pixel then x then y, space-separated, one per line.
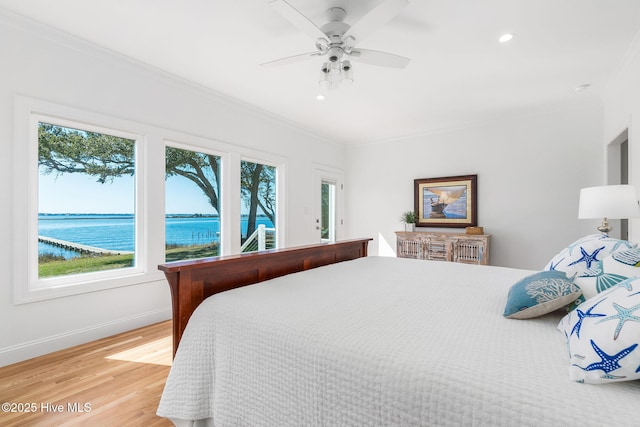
pixel 409 220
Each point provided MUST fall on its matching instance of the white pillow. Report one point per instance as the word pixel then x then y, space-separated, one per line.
pixel 610 271
pixel 603 334
pixel 583 253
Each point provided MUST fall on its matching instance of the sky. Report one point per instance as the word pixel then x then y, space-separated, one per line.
pixel 80 193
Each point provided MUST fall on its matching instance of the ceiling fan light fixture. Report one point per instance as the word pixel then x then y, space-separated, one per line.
pixel 322 45
pixel 335 54
pixel 334 68
pixel 324 80
pixel 346 75
pixel 333 74
pixel 336 38
pixel 348 43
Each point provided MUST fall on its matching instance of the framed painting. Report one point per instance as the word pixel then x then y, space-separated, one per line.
pixel 446 202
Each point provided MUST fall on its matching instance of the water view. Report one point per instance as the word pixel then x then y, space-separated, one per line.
pixel 116 232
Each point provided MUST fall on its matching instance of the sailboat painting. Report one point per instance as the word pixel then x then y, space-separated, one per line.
pixel 446 202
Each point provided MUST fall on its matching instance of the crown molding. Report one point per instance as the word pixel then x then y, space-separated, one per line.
pixel 28 25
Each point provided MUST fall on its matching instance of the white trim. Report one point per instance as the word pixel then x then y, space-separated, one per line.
pixel 150 201
pixel 281 166
pixel 197 144
pixel 232 202
pixel 36 284
pixel 86 48
pixel 633 50
pixel 34 348
pixel 27 287
pixel 585 102
pixel 327 173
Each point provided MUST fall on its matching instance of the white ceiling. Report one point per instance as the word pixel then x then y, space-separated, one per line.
pixel 459 73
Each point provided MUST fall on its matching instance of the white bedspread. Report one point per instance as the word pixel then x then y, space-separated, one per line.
pixel 382 342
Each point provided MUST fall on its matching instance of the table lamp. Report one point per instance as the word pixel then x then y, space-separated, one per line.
pixel 608 202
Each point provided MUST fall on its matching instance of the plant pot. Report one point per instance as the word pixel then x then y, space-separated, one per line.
pixel 410 227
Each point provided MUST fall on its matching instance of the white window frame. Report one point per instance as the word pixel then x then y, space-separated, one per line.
pixel 150 225
pixel 333 197
pixel 323 173
pixel 280 165
pixel 196 145
pixel 28 287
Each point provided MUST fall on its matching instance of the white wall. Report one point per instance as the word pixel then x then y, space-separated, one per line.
pixel 530 170
pixel 42 63
pixel 622 111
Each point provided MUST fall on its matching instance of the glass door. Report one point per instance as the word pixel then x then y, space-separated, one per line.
pixel 328 211
pixel 327 217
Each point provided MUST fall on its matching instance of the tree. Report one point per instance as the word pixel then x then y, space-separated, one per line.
pixel 65 150
pixel 200 168
pixel 258 191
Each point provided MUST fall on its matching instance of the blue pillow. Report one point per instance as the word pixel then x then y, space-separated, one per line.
pixel 539 294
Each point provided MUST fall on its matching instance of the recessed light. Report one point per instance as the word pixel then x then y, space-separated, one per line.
pixel 505 37
pixel 581 87
pixel 320 97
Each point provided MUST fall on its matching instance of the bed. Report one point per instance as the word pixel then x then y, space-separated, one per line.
pixel 375 341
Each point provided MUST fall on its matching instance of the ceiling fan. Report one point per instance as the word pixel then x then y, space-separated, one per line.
pixel 337 40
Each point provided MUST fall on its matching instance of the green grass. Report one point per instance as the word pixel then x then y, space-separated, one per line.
pixel 191 252
pixel 84 264
pixel 51 267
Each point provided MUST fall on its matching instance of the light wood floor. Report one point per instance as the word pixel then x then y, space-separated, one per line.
pixel 117 381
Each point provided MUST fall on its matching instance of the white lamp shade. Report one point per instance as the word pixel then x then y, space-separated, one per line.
pixel 609 201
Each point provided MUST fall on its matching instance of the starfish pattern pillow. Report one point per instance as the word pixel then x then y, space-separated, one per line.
pixel 608 272
pixel 603 334
pixel 584 253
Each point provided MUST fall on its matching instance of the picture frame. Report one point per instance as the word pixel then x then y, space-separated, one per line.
pixel 447 201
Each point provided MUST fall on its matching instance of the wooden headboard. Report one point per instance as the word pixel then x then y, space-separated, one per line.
pixel 193 281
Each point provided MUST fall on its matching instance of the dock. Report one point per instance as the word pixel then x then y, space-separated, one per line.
pixel 76 247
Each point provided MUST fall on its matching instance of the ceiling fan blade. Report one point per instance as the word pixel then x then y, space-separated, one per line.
pixel 375 18
pixel 375 57
pixel 294 16
pixel 290 59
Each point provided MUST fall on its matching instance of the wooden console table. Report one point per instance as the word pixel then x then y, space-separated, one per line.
pixel 454 247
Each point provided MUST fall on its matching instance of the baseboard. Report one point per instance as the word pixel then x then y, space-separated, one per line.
pixel 35 348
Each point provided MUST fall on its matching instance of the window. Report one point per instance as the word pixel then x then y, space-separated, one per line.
pixel 192 212
pixel 258 206
pixel 79 182
pixel 328 211
pixel 100 201
pixel 327 203
pixel 86 200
